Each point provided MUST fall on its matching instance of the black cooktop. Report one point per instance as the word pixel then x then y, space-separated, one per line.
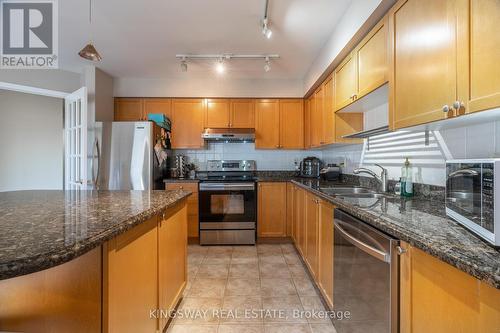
pixel 236 176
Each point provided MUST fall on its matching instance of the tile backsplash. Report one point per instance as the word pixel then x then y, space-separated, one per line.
pixel 266 159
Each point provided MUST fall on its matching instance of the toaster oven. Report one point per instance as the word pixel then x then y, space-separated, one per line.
pixel 470 196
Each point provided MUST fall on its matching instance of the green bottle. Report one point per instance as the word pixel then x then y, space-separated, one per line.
pixel 407 179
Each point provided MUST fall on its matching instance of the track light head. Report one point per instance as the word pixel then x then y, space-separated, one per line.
pixel 267 66
pixel 184 66
pixel 219 67
pixel 266 31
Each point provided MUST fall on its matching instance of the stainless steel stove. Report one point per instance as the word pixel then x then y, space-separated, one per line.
pixel 228 203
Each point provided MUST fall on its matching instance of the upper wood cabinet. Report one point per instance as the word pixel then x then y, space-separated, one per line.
pixel 364 69
pixel 242 113
pixel 348 123
pixel 307 121
pixel 158 106
pixel 187 123
pixel 291 124
pixel 436 297
pixel 271 221
pixel 218 114
pixel 484 54
pixel 316 118
pixel 328 118
pixel 425 78
pixel 129 109
pixel 279 124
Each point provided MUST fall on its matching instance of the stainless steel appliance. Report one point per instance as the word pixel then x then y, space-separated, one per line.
pixel 180 165
pixel 124 157
pixel 310 167
pixel 229 134
pixel 228 203
pixel 331 172
pixel 366 278
pixel 470 196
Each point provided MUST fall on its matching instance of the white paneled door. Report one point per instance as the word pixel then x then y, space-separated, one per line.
pixel 75 145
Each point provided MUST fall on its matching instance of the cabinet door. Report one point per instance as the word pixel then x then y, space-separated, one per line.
pixel 328 112
pixel 372 59
pixel 291 124
pixel 325 262
pixel 130 281
pixel 271 210
pixel 436 297
pixel 129 109
pixel 346 83
pixel 317 119
pixel 192 205
pixel 218 113
pixel 158 106
pixel 300 220
pixel 242 113
pixel 267 126
pixel 312 214
pixel 187 123
pixel 424 59
pixel 172 258
pixel 307 122
pixel 290 209
pixel 484 55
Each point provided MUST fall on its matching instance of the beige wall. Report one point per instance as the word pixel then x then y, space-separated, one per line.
pixel 31 142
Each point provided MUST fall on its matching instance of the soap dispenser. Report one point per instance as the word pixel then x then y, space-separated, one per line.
pixel 407 179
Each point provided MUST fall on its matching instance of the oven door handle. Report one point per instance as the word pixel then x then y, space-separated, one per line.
pixel 227 186
pixel 463 172
pixel 376 253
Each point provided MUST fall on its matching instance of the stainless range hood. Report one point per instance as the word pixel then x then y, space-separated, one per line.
pixel 229 134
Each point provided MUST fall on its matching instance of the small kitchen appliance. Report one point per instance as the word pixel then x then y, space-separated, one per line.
pixel 310 167
pixel 331 172
pixel 470 196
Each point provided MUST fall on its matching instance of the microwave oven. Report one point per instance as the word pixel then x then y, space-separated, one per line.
pixel 470 196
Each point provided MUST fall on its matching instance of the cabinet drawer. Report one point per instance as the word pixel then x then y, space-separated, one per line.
pixel 193 187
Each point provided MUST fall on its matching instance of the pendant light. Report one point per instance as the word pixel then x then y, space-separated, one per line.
pixel 89 52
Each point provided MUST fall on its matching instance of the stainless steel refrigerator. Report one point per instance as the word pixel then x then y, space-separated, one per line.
pixel 125 158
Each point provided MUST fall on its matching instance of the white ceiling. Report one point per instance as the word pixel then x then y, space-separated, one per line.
pixel 139 39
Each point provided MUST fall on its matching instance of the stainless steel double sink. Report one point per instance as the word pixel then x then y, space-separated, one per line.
pixel 353 192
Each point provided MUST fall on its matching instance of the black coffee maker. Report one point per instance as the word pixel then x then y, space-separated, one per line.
pixel 310 167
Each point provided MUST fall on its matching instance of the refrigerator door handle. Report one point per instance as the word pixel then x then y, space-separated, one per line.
pixel 96 153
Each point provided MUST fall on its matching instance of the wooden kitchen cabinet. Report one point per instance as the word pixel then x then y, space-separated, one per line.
pixel 312 228
pixel 437 297
pixel 346 83
pixel 300 220
pixel 291 124
pixel 325 251
pixel 242 113
pixel 192 205
pixel 316 118
pixel 290 210
pixel 218 113
pixel 130 281
pixel 328 119
pixel 129 109
pixel 348 123
pixel 158 106
pixel 271 220
pixel 267 124
pixel 425 77
pixel 187 123
pixel 307 121
pixel 279 124
pixel 172 258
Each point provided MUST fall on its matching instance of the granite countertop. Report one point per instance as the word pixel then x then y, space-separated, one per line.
pixel 423 224
pixel 42 229
pixel 181 180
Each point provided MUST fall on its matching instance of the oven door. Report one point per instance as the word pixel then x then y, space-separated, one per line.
pixel 227 205
pixel 464 189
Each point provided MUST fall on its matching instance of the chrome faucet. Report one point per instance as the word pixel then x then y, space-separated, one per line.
pixel 382 179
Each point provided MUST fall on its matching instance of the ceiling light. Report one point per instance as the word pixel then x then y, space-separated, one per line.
pixel 265 28
pixel 89 52
pixel 267 66
pixel 219 67
pixel 184 66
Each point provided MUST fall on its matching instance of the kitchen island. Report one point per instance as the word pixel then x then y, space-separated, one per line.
pixel 90 261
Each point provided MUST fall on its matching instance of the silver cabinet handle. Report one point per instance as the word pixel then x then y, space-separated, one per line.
pixel 458 105
pixel 446 108
pixel 401 250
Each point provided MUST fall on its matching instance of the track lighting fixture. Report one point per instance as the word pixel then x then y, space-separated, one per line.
pixel 267 66
pixel 265 28
pixel 184 66
pixel 219 67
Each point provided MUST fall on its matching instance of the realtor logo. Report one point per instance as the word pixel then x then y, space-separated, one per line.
pixel 28 34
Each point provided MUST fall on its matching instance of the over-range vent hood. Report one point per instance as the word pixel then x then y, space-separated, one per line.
pixel 229 134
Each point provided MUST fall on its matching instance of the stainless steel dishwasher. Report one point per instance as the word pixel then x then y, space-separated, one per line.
pixel 366 276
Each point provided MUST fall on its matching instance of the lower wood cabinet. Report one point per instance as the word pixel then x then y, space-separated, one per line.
pixel 312 226
pixel 290 210
pixel 271 220
pixel 192 205
pixel 300 198
pixel 325 251
pixel 436 297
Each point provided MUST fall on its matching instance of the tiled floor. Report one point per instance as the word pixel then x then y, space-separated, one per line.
pixel 268 281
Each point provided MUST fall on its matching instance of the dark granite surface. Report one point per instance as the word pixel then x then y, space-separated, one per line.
pixel 41 229
pixel 423 224
pixel 181 180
